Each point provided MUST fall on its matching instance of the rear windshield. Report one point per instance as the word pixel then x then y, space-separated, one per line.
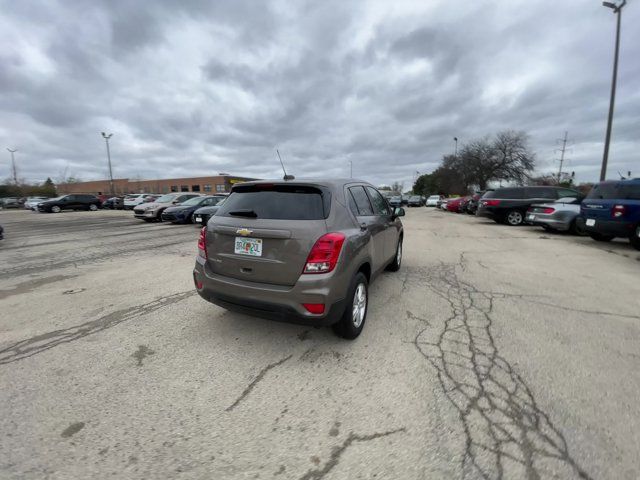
pixel 615 191
pixel 276 202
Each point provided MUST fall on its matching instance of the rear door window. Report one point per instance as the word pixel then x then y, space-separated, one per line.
pixel 361 200
pixel 380 206
pixel 565 192
pixel 506 193
pixel 615 191
pixel 276 202
pixel 541 192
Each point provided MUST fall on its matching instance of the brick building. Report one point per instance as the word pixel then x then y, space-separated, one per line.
pixel 121 186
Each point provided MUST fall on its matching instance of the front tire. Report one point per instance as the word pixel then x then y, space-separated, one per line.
pixel 635 238
pixel 93 207
pixel 514 218
pixel 576 229
pixel 56 209
pixel 353 319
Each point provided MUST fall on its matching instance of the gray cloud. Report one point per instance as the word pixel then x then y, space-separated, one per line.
pixel 194 88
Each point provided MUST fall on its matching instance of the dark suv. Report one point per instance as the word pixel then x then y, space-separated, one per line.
pixel 70 202
pixel 509 205
pixel 612 209
pixel 299 251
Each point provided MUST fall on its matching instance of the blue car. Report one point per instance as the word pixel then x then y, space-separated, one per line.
pixel 612 209
pixel 183 212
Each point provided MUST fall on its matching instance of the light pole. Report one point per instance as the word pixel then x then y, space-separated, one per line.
pixel 106 139
pixel 351 167
pixel 617 9
pixel 13 165
pixel 455 139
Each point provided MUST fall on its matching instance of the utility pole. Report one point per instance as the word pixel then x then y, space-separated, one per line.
pixel 106 139
pixel 351 167
pixel 13 165
pixel 455 139
pixel 617 9
pixel 562 150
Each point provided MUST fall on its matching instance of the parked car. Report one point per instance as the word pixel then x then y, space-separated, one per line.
pixel 150 198
pixel 472 206
pixel 415 201
pixel 454 204
pixel 395 201
pixel 32 202
pixel 114 203
pixel 150 212
pixel 70 202
pixel 443 203
pixel 557 216
pixel 433 200
pixel 134 199
pixel 299 251
pixel 203 214
pixel 509 205
pixel 183 213
pixel 11 202
pixel 612 209
pixel 1 233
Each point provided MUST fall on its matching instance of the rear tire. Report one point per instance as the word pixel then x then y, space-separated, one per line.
pixel 635 238
pixel 514 218
pixel 599 237
pixel 395 265
pixel 354 317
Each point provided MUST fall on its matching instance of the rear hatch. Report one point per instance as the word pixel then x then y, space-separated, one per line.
pixel 598 205
pixel 264 232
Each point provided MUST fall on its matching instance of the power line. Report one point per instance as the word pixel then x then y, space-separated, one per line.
pixel 562 152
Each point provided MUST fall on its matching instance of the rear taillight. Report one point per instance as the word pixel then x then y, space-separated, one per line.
pixel 548 210
pixel 491 203
pixel 324 254
pixel 202 243
pixel 315 308
pixel 617 211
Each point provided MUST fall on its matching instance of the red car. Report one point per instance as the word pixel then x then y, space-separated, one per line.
pixel 453 205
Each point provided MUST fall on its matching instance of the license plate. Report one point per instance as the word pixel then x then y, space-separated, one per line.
pixel 590 222
pixel 197 218
pixel 248 246
pixel 531 217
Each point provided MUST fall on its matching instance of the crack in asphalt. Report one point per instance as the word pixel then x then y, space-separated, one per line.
pixel 255 381
pixel 337 451
pixel 40 343
pixel 504 427
pixel 31 285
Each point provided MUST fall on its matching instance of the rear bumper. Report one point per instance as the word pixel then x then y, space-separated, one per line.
pixel 617 228
pixel 272 302
pixel 143 214
pixel 489 212
pixel 549 220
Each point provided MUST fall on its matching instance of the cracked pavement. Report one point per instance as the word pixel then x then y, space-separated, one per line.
pixel 493 353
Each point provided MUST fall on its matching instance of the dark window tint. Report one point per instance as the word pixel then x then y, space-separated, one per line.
pixel 276 202
pixel 380 206
pixel 541 192
pixel 362 201
pixel 615 191
pixel 184 188
pixel 506 193
pixel 195 188
pixel 564 192
pixel 174 188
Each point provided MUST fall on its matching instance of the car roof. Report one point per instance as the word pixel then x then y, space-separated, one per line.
pixel 334 184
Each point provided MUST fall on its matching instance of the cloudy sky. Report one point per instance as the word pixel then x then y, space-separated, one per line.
pixel 195 87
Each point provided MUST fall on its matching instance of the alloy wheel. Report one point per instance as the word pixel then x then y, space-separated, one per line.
pixel 359 308
pixel 514 218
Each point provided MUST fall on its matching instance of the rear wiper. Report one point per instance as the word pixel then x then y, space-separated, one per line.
pixel 244 213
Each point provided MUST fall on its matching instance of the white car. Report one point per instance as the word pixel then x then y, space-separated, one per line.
pixel 130 201
pixel 32 202
pixel 433 200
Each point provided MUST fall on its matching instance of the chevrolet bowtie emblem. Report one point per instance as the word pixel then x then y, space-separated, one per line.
pixel 244 232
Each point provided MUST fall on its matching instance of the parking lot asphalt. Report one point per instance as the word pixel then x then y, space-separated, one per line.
pixel 495 352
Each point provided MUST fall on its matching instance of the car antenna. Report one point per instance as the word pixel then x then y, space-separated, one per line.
pixel 286 177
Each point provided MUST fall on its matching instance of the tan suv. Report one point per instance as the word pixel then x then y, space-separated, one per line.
pixel 299 251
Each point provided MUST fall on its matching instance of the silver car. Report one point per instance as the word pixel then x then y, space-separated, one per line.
pixel 558 216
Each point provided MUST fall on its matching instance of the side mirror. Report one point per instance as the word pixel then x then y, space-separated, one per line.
pixel 398 212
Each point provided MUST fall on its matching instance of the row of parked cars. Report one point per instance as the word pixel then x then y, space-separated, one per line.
pixel 610 210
